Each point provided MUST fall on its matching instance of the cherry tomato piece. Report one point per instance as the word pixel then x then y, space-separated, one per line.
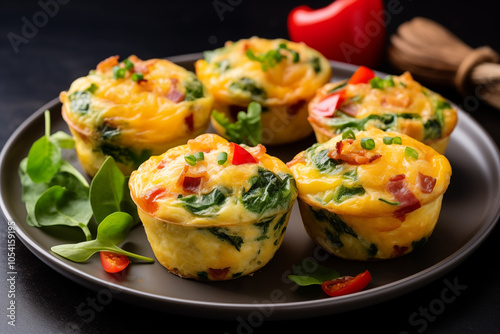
pixel 347 284
pixel 113 263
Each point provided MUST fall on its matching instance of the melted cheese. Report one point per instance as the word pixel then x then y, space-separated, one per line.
pixel 407 96
pixel 317 188
pixel 166 171
pixel 286 82
pixel 148 115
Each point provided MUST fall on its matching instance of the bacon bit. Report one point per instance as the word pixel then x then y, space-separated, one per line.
pixel 218 274
pixel 191 179
pixel 294 109
pixel 361 157
pixel 408 202
pixel 189 120
pixel 107 64
pixel 399 251
pixel 350 109
pixel 191 184
pixel 162 164
pixel 426 183
pixel 257 151
pixel 149 201
pixel 174 94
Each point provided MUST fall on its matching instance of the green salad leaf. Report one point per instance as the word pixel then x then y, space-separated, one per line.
pixel 111 232
pixel 109 192
pixel 315 276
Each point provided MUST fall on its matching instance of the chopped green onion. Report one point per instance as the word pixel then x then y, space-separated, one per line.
pixel 118 72
pixel 128 64
pixel 380 83
pixel 221 158
pixel 367 143
pixel 190 159
pixel 411 152
pixel 137 76
pixel 392 140
pixel 349 134
pixel 388 202
pixel 199 156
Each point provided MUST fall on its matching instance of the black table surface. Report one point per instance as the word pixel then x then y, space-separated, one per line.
pixel 75 35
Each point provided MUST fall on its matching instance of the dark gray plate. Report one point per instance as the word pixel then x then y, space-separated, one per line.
pixel 470 210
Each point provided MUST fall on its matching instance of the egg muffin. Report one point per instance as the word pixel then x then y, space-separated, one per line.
pixel 371 194
pixel 133 109
pixel 282 76
pixel 394 103
pixel 214 210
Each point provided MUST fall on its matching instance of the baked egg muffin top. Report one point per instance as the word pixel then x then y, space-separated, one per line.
pixel 370 173
pixel 267 71
pixel 131 102
pixel 213 182
pixel 393 103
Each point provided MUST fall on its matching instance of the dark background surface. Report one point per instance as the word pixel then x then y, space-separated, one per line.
pixel 82 33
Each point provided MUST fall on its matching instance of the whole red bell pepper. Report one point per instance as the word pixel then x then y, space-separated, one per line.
pixel 350 31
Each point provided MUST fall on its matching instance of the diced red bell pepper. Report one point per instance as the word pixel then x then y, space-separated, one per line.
pixel 241 156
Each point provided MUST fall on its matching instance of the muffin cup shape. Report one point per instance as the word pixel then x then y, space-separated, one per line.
pixel 375 202
pixel 282 76
pixel 134 109
pixel 402 105
pixel 234 250
pixel 213 219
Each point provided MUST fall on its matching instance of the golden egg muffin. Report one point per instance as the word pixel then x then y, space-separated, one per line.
pixel 214 210
pixel 395 103
pixel 282 76
pixel 133 109
pixel 371 194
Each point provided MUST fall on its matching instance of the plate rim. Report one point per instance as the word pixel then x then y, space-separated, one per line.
pixel 225 310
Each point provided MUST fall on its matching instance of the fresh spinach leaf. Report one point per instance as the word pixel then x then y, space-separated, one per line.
pixel 272 57
pixel 303 276
pixel 109 192
pixel 194 89
pixel 80 101
pixel 61 206
pixel 323 162
pixel 344 193
pixel 222 234
pixel 111 232
pixel 248 87
pixel 248 127
pixel 380 83
pixel 205 205
pixel 269 192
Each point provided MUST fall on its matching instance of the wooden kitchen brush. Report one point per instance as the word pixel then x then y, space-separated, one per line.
pixel 435 55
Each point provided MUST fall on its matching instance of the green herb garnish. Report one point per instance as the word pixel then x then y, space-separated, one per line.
pixel 304 274
pixel 272 57
pixel 349 134
pixel 137 76
pixel 248 127
pixel 411 152
pixel 380 83
pixel 392 140
pixel 221 158
pixel 367 143
pixel 190 159
pixel 199 156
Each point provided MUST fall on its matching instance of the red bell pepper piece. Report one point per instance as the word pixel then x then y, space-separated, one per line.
pixel 350 31
pixel 327 106
pixel 346 284
pixel 362 75
pixel 241 156
pixel 113 263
